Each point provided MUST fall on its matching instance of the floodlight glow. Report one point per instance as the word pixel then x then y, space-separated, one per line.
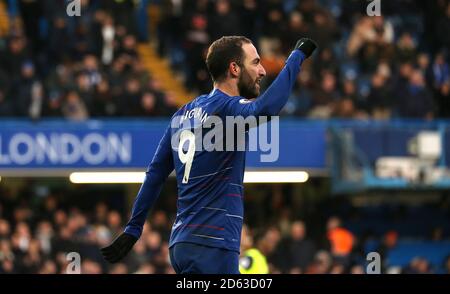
pixel 275 177
pixel 107 177
pixel 138 177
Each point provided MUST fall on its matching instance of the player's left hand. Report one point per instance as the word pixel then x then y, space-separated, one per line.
pixel 306 45
pixel 119 248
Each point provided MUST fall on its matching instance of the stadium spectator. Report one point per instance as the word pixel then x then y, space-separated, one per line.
pixel 251 260
pixel 389 241
pixel 341 240
pixel 197 38
pixel 321 264
pixel 379 100
pixel 325 97
pixel 248 15
pixel 443 100
pixel 418 265
pixel 298 250
pixel 417 101
pixel 224 20
pixel 73 108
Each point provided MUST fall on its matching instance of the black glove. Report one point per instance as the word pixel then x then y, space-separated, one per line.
pixel 119 248
pixel 306 45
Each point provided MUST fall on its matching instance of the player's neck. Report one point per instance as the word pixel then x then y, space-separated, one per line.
pixel 228 87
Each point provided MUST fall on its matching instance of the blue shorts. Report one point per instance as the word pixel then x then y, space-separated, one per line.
pixel 190 258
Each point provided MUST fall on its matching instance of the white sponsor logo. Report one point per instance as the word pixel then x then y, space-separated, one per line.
pixel 245 101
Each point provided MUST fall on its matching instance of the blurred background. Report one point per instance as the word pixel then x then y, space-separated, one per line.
pixel 365 133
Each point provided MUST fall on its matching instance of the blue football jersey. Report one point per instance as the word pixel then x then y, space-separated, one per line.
pixel 210 182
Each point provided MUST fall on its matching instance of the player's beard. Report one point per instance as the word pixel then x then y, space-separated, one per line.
pixel 247 86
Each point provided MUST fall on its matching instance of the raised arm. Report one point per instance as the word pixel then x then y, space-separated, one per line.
pixel 276 96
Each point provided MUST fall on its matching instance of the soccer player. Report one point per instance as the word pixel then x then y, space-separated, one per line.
pixel 206 234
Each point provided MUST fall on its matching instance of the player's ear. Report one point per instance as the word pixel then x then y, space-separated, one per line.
pixel 235 69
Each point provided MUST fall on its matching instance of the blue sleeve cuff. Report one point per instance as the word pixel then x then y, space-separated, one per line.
pixel 296 56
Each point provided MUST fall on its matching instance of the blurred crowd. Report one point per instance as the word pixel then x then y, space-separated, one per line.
pixel 388 66
pixel 37 239
pixel 38 230
pixel 393 65
pixel 52 65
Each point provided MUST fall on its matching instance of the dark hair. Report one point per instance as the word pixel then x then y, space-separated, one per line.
pixel 222 52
